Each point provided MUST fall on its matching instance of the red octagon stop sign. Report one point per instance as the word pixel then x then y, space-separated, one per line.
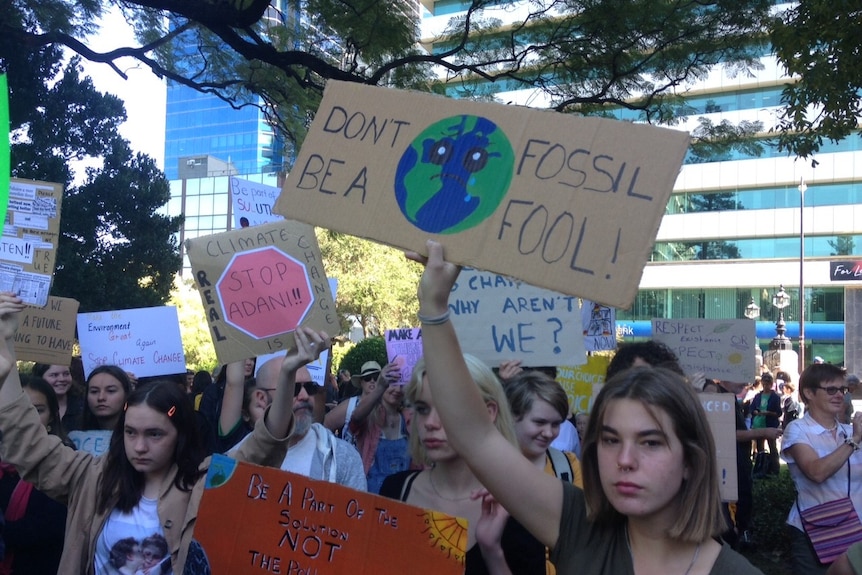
pixel 264 292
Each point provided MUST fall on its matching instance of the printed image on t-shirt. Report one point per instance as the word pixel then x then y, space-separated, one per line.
pixel 133 543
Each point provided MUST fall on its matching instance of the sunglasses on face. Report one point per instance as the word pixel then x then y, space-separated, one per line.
pixel 311 388
pixel 832 390
pixel 370 377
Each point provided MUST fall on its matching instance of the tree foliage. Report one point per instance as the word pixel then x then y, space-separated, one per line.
pixel 115 251
pixel 376 283
pixel 194 329
pixel 817 41
pixel 583 56
pixel 369 349
pixel 113 239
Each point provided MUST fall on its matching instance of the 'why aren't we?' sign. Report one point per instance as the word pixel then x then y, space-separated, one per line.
pixel 567 203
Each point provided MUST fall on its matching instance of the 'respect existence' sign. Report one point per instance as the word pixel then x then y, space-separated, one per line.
pixel 533 194
pixel 717 348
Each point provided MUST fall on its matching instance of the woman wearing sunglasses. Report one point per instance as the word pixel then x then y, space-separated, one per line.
pixel 823 456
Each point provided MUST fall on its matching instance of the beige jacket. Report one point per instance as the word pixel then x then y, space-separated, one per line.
pixel 71 477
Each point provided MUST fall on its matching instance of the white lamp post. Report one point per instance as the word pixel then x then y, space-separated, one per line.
pixel 802 188
pixel 780 300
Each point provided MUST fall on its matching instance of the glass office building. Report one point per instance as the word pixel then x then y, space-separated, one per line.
pixel 731 232
pixel 205 202
pixel 201 124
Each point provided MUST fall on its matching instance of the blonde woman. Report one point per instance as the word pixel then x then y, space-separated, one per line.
pixel 650 503
pixel 447 483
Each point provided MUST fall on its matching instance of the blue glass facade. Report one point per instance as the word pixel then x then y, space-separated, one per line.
pixel 201 124
pixel 734 222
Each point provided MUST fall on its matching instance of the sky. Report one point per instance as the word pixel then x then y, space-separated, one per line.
pixel 143 93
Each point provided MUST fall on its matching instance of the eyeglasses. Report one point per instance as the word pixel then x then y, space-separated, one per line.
pixel 370 377
pixel 832 390
pixel 310 387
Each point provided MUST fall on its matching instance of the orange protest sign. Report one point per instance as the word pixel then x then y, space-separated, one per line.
pixel 263 520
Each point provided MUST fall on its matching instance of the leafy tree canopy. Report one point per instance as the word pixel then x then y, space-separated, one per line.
pixel 376 283
pixel 195 331
pixel 583 55
pixel 115 251
pixel 817 41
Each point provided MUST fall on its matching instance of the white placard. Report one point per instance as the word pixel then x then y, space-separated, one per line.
pixel 252 203
pixel 717 348
pixel 95 442
pixel 16 250
pixel 499 318
pixel 144 341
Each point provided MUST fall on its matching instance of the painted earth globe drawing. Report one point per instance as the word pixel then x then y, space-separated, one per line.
pixel 454 174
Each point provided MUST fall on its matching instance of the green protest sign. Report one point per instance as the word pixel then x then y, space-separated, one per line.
pixel 4 145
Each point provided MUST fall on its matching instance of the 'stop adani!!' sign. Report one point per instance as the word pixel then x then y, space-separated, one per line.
pixel 567 203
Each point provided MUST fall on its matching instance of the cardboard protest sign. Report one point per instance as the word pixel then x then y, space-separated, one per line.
pixel 252 203
pixel 263 520
pixel 534 194
pixel 144 341
pixel 721 414
pixel 258 284
pixel 717 348
pixel 94 442
pixel 599 326
pixel 404 347
pixel 583 382
pixel 499 318
pixel 46 335
pixel 28 248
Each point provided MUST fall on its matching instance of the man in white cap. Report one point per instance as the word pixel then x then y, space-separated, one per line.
pixel 313 451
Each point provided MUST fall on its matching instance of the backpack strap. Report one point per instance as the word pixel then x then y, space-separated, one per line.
pixel 18 500
pixel 351 406
pixel 561 465
pixel 408 483
pixel 16 509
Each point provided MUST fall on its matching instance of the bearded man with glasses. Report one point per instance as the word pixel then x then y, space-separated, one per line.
pixel 313 451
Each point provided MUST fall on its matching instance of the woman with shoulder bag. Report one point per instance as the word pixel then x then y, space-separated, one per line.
pixel 826 466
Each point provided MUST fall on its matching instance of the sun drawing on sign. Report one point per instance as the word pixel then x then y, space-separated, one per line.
pixel 447 534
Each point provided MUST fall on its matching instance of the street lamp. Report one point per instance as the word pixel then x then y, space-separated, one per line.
pixel 802 188
pixel 752 311
pixel 780 300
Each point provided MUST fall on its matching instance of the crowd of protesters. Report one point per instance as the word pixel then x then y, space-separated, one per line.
pixel 630 487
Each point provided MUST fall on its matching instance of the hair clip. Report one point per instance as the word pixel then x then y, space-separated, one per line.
pixel 172 411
